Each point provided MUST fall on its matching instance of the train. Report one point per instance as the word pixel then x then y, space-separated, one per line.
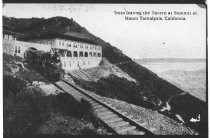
pixel 48 64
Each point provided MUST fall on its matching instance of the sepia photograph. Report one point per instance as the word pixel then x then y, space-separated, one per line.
pixel 104 69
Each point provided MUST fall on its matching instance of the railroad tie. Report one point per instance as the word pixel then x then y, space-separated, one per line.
pixel 94 103
pixel 108 116
pixel 98 106
pixel 104 113
pixel 113 120
pixel 130 116
pixel 126 129
pixel 89 100
pixel 136 132
pixel 122 127
pixel 119 124
pixel 142 124
pixel 102 109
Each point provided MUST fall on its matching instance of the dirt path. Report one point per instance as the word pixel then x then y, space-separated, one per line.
pixel 168 106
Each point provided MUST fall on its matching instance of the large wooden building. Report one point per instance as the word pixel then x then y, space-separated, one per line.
pixel 75 53
pixel 12 46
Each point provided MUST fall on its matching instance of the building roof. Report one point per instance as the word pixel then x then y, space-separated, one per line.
pixel 61 36
pixel 12 32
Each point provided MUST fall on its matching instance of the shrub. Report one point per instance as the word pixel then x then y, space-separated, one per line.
pixel 120 88
pixel 25 112
pixel 12 85
pixel 67 104
pixel 26 109
pixel 88 131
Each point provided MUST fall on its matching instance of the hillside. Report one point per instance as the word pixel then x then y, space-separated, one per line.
pixel 30 110
pixel 158 90
pixel 20 24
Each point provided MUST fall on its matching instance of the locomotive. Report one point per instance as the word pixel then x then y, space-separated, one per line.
pixel 46 63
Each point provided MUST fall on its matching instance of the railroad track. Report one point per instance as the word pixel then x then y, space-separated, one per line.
pixel 116 121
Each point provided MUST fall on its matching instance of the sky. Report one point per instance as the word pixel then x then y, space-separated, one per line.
pixel 136 38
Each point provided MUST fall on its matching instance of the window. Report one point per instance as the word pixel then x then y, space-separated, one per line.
pixel 94 54
pixel 99 54
pixel 80 54
pixel 75 54
pixel 90 54
pixel 61 53
pixel 18 49
pixel 86 54
pixel 68 45
pixel 10 37
pixel 5 36
pixel 69 63
pixel 69 54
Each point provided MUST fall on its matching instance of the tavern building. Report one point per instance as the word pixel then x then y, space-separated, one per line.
pixel 13 46
pixel 75 53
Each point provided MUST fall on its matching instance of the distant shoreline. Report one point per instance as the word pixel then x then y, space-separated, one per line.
pixel 148 60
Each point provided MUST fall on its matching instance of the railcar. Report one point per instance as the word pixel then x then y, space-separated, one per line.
pixel 46 63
